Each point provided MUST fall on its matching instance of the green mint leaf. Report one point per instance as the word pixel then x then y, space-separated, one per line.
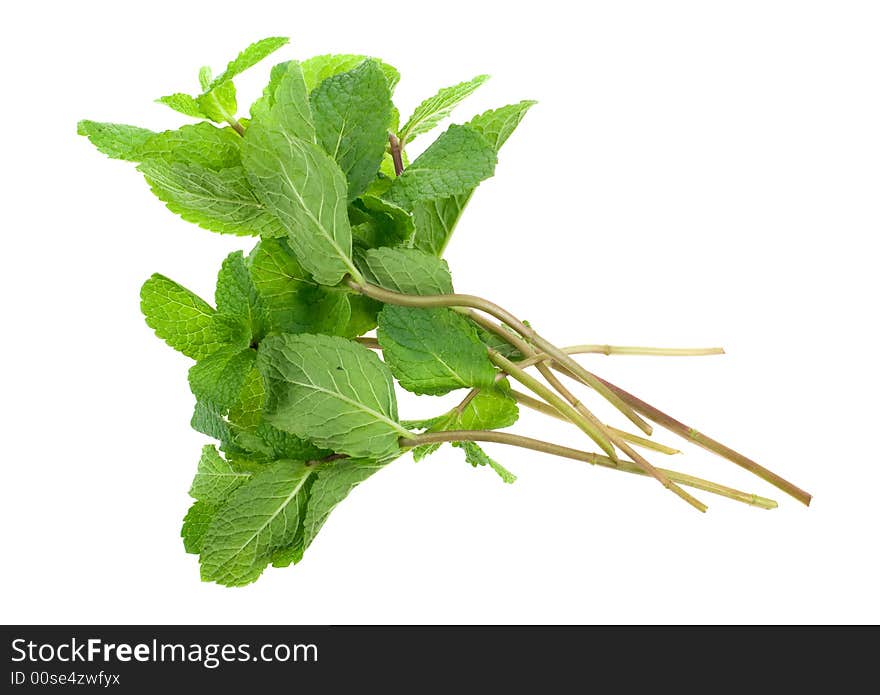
pixel 249 57
pixel 435 220
pixel 180 318
pixel 498 344
pixel 332 485
pixel 305 189
pixel 380 222
pixel 434 109
pixel 219 201
pixel 208 420
pixel 433 351
pixel 453 164
pixel 217 379
pixel 195 525
pixel 216 477
pixel 295 303
pixel 284 445
pixel 183 103
pixel 332 391
pixel 259 518
pixel 237 296
pixel 351 112
pixel 247 412
pixel 322 67
pixel 116 140
pixel 408 271
pixel 491 409
pixel 475 456
pixel 497 125
pixel 219 103
pixel 199 144
pixel 291 109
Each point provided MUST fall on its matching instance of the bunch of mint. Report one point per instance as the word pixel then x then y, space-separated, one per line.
pixel 351 235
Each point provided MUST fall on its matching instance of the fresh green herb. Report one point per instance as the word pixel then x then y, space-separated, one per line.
pixel 351 233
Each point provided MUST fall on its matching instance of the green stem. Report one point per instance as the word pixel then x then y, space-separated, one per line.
pixel 542 407
pixel 625 350
pixel 588 457
pixel 484 305
pixel 716 447
pixel 527 380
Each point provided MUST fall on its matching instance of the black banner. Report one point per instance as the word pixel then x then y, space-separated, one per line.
pixel 415 659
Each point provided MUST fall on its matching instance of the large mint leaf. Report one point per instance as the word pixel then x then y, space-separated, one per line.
pixel 351 111
pixel 453 164
pixel 261 517
pixel 435 220
pixel 237 296
pixel 116 140
pixel 216 478
pixel 433 351
pixel 249 57
pixel 305 189
pixel 319 68
pixel 434 109
pixel 332 484
pixel 180 318
pixel 330 390
pixel 217 379
pixel 220 201
pixel 408 271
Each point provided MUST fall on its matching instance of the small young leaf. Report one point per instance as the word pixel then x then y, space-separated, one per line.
pixel 217 380
pixel 332 485
pixel 116 140
pixel 179 317
pixel 219 201
pixel 195 525
pixel 219 103
pixel 435 220
pixel 351 112
pixel 434 109
pixel 249 57
pixel 216 478
pixel 408 271
pixel 208 420
pixel 497 125
pixel 305 189
pixel 334 392
pixel 433 351
pixel 475 456
pixel 490 409
pixel 322 67
pixel 259 518
pixel 183 103
pixel 453 164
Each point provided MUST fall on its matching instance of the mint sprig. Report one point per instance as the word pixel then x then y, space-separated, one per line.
pixel 299 396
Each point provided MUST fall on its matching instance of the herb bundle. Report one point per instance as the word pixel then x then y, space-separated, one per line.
pixel 351 235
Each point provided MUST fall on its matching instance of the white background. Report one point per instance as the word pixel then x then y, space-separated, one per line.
pixel 696 173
